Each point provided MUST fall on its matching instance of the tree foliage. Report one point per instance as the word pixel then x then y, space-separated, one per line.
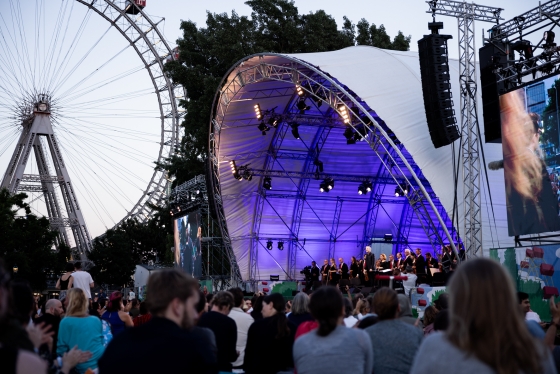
pixel 206 54
pixel 28 242
pixel 120 249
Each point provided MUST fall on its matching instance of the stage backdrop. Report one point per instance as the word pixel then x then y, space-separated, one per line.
pixel 187 234
pixel 535 270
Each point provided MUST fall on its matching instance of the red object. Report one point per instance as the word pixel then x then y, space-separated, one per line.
pixel 524 265
pixel 539 253
pixel 549 291
pixel 422 302
pixel 387 277
pixel 265 283
pixel 265 289
pixel 420 291
pixel 547 269
pixel 306 327
pixel 140 3
pixel 529 253
pixel 140 320
pixel 303 283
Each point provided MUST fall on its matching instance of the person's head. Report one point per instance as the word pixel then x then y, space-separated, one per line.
pixel 484 318
pixel 396 272
pixel 408 269
pixel 69 267
pixel 441 322
pixel 407 252
pixel 385 304
pixel 23 302
pixel 209 298
pixel 237 297
pixel 143 309
pixel 391 257
pixel 404 306
pixel 418 251
pixel 430 314
pixel 222 302
pixel 248 304
pixel 288 308
pixel 115 302
pixel 524 303
pixel 333 262
pixel 327 308
pixel 442 301
pixel 428 255
pixel 77 265
pixel 353 260
pixel 325 262
pixel 340 260
pixel 300 304
pixel 173 294
pixel 54 307
pixel 273 304
pixel 257 302
pixel 399 255
pixel 383 257
pixel 362 307
pixel 313 263
pixel 134 303
pixel 368 249
pixel 77 303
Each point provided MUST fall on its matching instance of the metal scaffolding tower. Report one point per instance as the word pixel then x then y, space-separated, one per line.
pixel 36 126
pixel 466 14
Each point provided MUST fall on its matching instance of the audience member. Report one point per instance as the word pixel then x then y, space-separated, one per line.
pixel 525 307
pixel 134 311
pixel 349 319
pixel 394 342
pixel 300 309
pixel 485 334
pixel 326 349
pixel 65 282
pixel 430 314
pixel 272 333
pixel 405 313
pixel 367 322
pixel 243 321
pixel 410 283
pixel 441 322
pixel 166 343
pixel 256 313
pixel 82 279
pixel 51 318
pixel 362 309
pixel 115 315
pixel 201 308
pixel 78 329
pixel 144 315
pixel 223 327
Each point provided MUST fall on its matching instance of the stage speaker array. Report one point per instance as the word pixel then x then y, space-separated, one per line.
pixel 436 88
pixel 491 57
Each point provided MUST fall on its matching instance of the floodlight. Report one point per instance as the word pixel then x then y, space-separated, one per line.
pixel 281 245
pixel 269 245
pixel 295 130
pixel 267 183
pixel 302 106
pixel 258 111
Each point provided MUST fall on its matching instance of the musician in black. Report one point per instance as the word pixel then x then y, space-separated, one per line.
pixel 315 271
pixel 408 260
pixel 420 266
pixel 398 263
pixel 446 259
pixel 343 269
pixel 369 265
pixel 325 272
pixel 333 273
pixel 354 268
pixel 431 263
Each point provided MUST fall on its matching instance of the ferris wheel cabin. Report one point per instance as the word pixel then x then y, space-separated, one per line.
pixel 134 6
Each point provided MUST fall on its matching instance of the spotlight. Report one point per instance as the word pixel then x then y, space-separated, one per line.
pixel 344 113
pixel 364 188
pixel 281 245
pixel 269 245
pixel 258 111
pixel 525 47
pixel 267 183
pixel 369 186
pixel 273 121
pixel 299 91
pixel 548 37
pixel 295 130
pixel 302 106
pixel 319 165
pixel 388 237
pixel 350 136
pixel 263 128
pixel 326 185
pixel 330 183
pixel 401 190
pixel 234 170
pixel 247 175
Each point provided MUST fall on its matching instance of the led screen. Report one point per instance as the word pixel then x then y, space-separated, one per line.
pixel 187 235
pixel 530 140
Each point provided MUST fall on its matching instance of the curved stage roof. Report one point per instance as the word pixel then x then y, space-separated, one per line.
pixel 384 86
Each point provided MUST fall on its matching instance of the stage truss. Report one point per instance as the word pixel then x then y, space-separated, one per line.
pixel 321 88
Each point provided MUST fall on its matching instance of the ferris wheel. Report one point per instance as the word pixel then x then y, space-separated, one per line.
pixel 94 70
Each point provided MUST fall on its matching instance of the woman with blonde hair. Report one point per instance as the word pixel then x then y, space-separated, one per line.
pixel 487 332
pixel 81 330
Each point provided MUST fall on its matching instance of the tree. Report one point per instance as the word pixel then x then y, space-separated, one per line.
pixel 28 242
pixel 206 54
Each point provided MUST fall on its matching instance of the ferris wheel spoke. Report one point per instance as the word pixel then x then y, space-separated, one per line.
pixel 21 48
pixel 110 99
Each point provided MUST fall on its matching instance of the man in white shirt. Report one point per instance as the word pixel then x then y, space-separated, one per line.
pixel 82 279
pixel 243 322
pixel 411 282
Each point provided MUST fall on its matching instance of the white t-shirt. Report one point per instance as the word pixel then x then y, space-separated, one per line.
pixel 410 283
pixel 82 279
pixel 131 295
pixel 243 322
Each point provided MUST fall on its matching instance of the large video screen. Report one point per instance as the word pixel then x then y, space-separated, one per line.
pixel 530 139
pixel 187 235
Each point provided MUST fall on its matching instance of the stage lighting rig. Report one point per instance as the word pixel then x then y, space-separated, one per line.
pixel 299 90
pixel 258 111
pixel 344 113
pixel 263 128
pixel 234 170
pixel 269 245
pixel 273 121
pixel 548 38
pixel 401 189
pixel 364 188
pixel 302 106
pixel 267 183
pixel 295 130
pixel 326 185
pixel 350 136
pixel 281 245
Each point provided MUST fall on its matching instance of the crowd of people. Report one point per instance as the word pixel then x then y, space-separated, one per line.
pixel 478 325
